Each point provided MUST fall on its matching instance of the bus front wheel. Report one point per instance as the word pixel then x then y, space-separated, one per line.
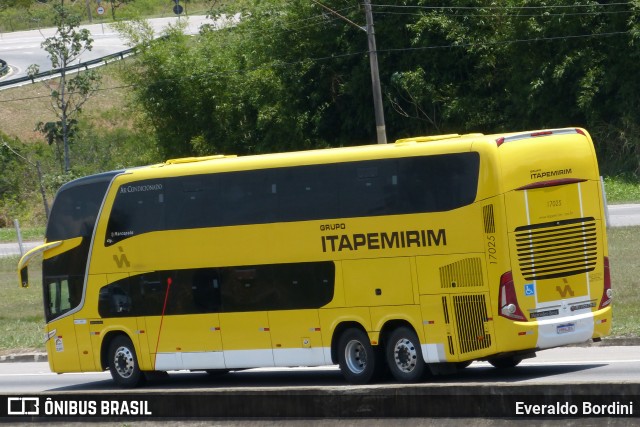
pixel 404 355
pixel 356 356
pixel 123 363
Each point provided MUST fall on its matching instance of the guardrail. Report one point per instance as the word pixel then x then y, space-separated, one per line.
pixel 77 67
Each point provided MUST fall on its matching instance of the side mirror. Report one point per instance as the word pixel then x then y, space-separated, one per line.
pixel 24 277
pixel 23 269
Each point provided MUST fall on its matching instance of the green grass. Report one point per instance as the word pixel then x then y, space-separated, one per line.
pixel 9 235
pixel 21 310
pixel 625 280
pixel 622 190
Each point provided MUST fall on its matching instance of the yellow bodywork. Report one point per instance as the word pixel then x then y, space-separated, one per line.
pixel 445 288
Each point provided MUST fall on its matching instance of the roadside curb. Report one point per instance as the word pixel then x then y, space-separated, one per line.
pixel 27 357
pixel 612 342
pixel 607 342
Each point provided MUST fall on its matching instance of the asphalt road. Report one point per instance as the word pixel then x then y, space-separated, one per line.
pixel 624 215
pixel 22 48
pixel 569 376
pixel 565 365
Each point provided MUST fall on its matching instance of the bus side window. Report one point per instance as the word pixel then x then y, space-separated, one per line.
pixel 246 198
pixel 120 301
pixel 115 299
pixel 368 188
pixel 151 288
pixel 138 208
pixel 309 192
pixel 206 290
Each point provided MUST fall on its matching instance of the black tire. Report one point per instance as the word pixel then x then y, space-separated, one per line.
pixel 461 365
pixel 356 356
pixel 404 356
pixel 217 372
pixel 123 363
pixel 505 362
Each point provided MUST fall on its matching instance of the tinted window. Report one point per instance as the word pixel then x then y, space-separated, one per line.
pixel 224 289
pixel 277 286
pixel 372 188
pixel 63 278
pixel 76 206
pixel 246 198
pixel 342 190
pixel 139 208
pixel 74 213
pixel 309 192
pixel 61 294
pixel 139 295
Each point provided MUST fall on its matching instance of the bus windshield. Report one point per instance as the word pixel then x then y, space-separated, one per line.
pixel 73 215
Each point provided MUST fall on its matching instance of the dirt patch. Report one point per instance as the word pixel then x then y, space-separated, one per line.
pixel 25 106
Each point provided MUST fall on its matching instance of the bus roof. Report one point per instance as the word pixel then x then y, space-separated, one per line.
pixel 407 147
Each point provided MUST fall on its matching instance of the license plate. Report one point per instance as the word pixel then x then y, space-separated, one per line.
pixel 564 329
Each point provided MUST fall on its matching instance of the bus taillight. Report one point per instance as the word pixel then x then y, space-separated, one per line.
pixel 607 293
pixel 509 307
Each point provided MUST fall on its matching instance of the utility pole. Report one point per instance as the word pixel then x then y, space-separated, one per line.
pixel 89 11
pixel 381 130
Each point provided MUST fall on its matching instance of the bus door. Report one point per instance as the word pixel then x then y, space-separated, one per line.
pixel 244 320
pixel 298 291
pixel 61 296
pixel 187 333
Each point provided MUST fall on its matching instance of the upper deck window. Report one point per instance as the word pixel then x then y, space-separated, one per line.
pixel 76 207
pixel 302 193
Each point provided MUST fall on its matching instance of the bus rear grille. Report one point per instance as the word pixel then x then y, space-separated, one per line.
pixel 471 315
pixel 557 249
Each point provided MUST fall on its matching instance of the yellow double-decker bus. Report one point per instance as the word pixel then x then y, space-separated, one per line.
pixel 413 257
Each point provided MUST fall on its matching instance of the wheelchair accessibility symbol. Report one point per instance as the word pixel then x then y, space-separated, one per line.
pixel 529 290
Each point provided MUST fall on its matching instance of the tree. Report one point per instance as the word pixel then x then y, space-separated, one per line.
pixel 289 75
pixel 38 169
pixel 68 95
pixel 116 4
pixel 22 4
pixel 247 88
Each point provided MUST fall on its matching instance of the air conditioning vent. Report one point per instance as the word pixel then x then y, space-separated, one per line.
pixel 445 310
pixel 489 221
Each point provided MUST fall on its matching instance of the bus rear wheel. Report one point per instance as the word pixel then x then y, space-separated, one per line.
pixel 123 363
pixel 404 355
pixel 356 356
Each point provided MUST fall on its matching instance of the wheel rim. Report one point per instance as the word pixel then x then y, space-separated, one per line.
pixel 355 357
pixel 405 355
pixel 123 362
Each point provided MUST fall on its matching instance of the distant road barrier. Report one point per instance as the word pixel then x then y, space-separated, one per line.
pixel 52 73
